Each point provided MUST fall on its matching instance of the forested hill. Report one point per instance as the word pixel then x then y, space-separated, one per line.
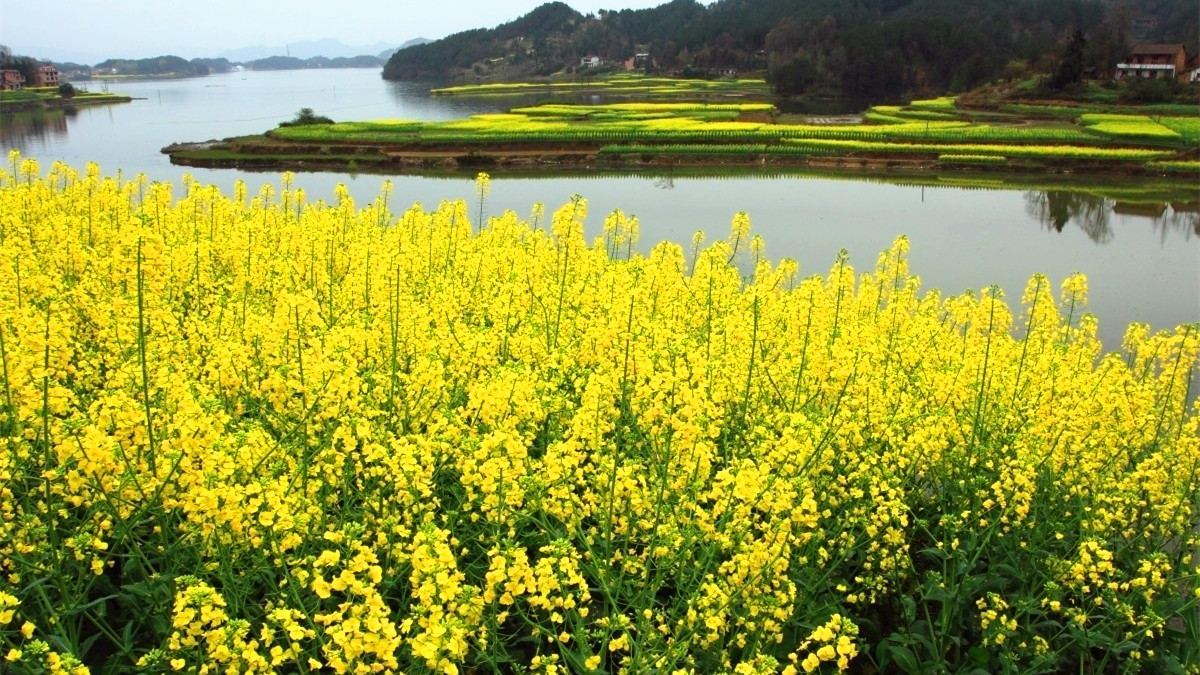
pixel 847 47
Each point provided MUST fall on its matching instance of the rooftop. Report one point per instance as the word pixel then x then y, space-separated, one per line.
pixel 1157 48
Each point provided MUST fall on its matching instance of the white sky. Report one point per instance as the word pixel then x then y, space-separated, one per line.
pixel 94 30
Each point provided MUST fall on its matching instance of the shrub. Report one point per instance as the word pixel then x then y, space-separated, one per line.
pixel 306 117
pixel 1147 90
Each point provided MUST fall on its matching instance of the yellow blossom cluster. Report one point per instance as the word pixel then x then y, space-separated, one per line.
pixel 264 434
pixel 833 642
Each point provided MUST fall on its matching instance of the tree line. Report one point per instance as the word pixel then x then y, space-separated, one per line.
pixel 877 48
pixel 177 66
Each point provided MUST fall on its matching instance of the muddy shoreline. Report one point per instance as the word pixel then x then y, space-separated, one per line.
pixel 262 153
pixel 61 103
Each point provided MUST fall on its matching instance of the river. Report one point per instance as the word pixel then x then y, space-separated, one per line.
pixel 1142 258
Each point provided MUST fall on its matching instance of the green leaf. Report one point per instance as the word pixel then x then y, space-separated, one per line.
pixel 934 552
pixel 905 659
pixel 77 610
pixel 936 592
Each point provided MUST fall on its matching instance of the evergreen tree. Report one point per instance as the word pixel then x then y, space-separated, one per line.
pixel 1070 69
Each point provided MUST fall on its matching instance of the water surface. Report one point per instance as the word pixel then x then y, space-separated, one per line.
pixel 1141 252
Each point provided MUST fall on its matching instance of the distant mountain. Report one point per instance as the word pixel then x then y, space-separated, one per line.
pixel 536 43
pixel 158 66
pixel 881 49
pixel 293 63
pixel 387 53
pixel 305 49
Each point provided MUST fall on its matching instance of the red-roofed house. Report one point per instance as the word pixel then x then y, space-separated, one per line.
pixel 1191 72
pixel 1162 61
pixel 47 76
pixel 11 80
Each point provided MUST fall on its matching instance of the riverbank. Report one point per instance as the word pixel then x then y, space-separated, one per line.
pixel 58 102
pixel 260 154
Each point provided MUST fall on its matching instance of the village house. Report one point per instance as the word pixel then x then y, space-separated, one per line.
pixel 11 80
pixel 639 60
pixel 1160 61
pixel 590 62
pixel 47 76
pixel 1191 72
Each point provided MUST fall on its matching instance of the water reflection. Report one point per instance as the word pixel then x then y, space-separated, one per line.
pixel 665 181
pixel 1092 214
pixel 1184 217
pixel 415 101
pixel 1056 208
pixel 23 129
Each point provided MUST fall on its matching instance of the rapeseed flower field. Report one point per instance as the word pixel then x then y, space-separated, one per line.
pixel 253 433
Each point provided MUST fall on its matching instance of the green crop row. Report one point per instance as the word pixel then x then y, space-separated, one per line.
pixel 702 149
pixel 1088 119
pixel 893 114
pixel 1176 166
pixel 1039 110
pixel 349 133
pixel 948 132
pixel 1133 127
pixel 1188 128
pixel 395 126
pixel 630 109
pixel 926 115
pixel 618 83
pixel 875 116
pixel 1074 111
pixel 942 103
pixel 1005 150
pixel 983 160
pixel 583 134
pixel 24 95
pixel 1174 109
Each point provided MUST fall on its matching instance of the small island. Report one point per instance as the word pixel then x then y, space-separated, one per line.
pixel 967 133
pixel 42 99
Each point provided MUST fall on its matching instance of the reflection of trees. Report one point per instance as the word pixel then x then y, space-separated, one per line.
pixel 1056 208
pixel 1182 218
pixel 667 180
pixel 18 130
pixel 1091 213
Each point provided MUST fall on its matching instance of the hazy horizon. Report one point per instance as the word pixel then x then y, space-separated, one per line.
pixel 88 32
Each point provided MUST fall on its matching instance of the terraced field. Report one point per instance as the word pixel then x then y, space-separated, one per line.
pixel 922 135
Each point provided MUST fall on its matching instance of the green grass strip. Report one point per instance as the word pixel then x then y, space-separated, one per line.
pixel 983 160
pixel 1006 150
pixel 1175 166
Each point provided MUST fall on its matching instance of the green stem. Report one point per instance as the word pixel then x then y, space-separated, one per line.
pixel 46 445
pixel 750 368
pixel 803 352
pixel 1037 293
pixel 8 403
pixel 983 376
pixel 562 290
pixel 141 299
